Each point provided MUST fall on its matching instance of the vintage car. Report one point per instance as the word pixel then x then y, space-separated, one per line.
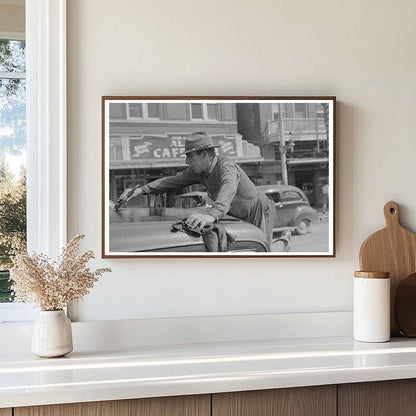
pixel 192 199
pixel 293 210
pixel 132 231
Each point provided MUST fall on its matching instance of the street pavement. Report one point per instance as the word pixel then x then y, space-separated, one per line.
pixel 316 241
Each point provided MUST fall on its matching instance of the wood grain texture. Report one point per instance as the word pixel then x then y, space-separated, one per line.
pixel 5 412
pixel 160 406
pixel 372 275
pixel 393 250
pixel 381 398
pixel 405 306
pixel 307 401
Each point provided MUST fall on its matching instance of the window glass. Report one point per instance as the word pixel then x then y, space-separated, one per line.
pixel 320 113
pixel 153 110
pixel 274 196
pixel 288 196
pixel 12 56
pixel 212 110
pixel 117 110
pixel 135 110
pixel 300 110
pixel 228 112
pixel 175 111
pixel 196 111
pixel 12 156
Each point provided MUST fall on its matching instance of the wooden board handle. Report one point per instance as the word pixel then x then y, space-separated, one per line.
pixel 391 214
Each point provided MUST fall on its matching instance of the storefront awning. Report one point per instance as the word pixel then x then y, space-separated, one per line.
pixel 166 163
pixel 306 161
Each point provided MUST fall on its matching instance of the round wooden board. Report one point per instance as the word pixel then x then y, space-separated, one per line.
pixel 393 250
pixel 405 306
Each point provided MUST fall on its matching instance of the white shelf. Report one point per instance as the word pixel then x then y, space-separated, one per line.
pixel 150 371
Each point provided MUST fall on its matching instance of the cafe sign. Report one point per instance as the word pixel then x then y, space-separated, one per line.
pixel 172 146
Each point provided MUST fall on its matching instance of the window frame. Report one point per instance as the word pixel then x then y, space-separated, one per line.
pixel 46 125
pixel 147 111
pixel 130 117
pixel 217 110
pixel 204 110
pixel 46 137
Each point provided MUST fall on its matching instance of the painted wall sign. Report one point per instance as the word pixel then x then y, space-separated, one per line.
pixel 172 146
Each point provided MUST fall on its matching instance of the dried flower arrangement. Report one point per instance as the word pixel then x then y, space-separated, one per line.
pixel 53 285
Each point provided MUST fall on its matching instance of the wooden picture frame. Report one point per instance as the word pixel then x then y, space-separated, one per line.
pixel 284 145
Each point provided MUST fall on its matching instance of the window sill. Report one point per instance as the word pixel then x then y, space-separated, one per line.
pixel 16 313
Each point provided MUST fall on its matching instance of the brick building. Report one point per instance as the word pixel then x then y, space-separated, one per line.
pixel 306 139
pixel 146 140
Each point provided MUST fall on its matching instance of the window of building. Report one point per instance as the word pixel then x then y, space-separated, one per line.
pixel 196 111
pixel 175 111
pixel 117 111
pixel 135 110
pixel 300 110
pixel 143 111
pixel 228 112
pixel 212 112
pixel 320 113
pixel 209 111
pixel 153 110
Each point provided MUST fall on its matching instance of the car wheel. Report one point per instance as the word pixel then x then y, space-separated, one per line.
pixel 303 227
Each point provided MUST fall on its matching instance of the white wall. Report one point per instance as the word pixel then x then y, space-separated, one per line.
pixel 360 51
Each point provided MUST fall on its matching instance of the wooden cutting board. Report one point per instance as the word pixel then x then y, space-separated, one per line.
pixel 393 250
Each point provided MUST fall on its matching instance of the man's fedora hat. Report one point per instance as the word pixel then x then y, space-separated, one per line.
pixel 199 141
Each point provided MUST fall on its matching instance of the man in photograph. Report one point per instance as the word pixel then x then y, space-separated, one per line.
pixel 226 182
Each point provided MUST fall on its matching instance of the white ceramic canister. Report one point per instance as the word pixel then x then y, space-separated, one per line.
pixel 371 313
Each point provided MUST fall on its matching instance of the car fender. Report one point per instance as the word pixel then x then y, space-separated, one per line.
pixel 304 212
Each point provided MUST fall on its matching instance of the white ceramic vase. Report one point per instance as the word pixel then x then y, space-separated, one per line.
pixel 52 334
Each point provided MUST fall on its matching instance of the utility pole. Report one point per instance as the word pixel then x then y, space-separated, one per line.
pixel 318 146
pixel 282 145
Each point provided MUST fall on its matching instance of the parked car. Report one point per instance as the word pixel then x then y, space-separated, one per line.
pixel 192 199
pixel 293 210
pixel 151 235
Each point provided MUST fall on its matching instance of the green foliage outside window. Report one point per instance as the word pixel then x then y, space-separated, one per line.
pixel 12 145
pixel 12 223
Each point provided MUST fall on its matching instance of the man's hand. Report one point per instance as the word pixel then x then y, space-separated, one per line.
pixel 198 220
pixel 127 195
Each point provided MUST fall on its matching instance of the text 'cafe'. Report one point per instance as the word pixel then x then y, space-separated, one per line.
pixel 141 159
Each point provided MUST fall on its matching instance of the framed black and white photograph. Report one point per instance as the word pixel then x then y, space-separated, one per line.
pixel 218 176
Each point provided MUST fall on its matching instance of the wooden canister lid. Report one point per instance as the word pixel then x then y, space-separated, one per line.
pixel 372 275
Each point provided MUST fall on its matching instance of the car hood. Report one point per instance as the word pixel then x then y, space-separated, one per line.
pixel 136 236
